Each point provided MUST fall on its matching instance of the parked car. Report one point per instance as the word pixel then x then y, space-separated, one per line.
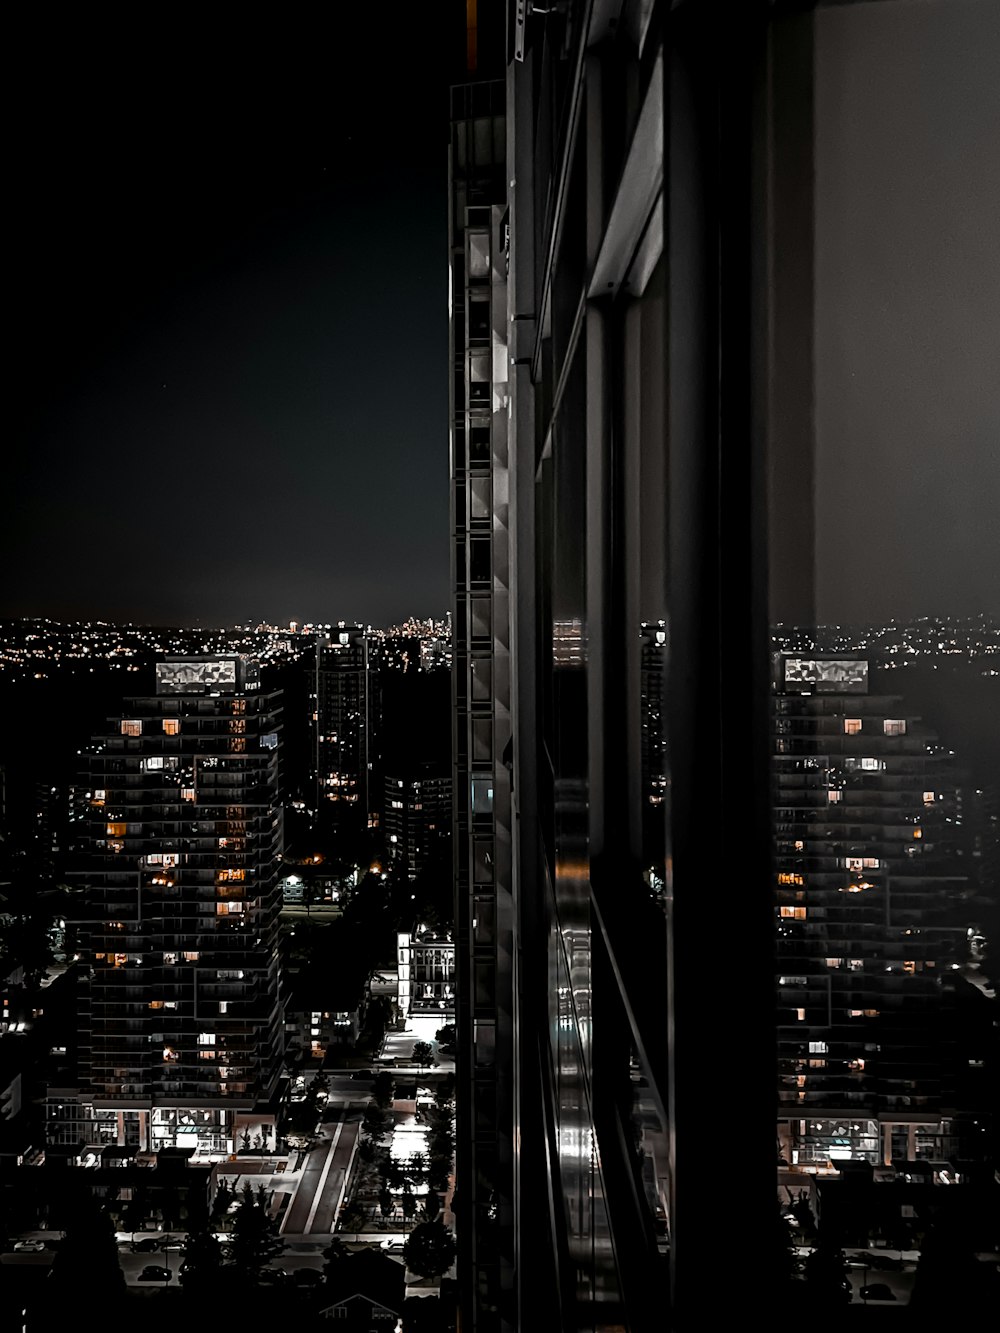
pixel 307 1277
pixel 392 1246
pixel 275 1277
pixel 29 1246
pixel 155 1273
pixel 877 1291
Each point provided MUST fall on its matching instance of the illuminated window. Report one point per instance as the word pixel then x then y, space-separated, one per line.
pixel 852 725
pixel 170 1056
pixel 817 1048
pixel 789 877
pixel 798 913
pixel 131 727
pixel 156 1004
pixel 152 764
pixel 100 795
pixel 800 1014
pixel 206 1055
pixel 187 793
pixel 171 726
pixel 231 876
pixel 928 797
pixel 834 962
pixel 894 726
pixel 918 833
pixel 872 765
pixel 834 795
pixel 191 956
pixel 206 1038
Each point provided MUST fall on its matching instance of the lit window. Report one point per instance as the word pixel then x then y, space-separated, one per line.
pixel 789 877
pixel 852 726
pixel 191 956
pixel 231 876
pixel 187 793
pixel 817 1048
pixel 918 833
pixel 872 765
pixel 834 795
pixel 798 913
pixel 171 726
pixel 800 1014
pixel 206 1038
pixel 131 727
pixel 152 764
pixel 116 830
pixel 156 1004
pixel 894 726
pixel 929 797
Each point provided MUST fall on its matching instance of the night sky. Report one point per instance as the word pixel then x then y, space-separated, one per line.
pixel 229 317
pixel 227 298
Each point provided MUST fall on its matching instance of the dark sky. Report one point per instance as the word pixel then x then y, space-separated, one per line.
pixel 228 393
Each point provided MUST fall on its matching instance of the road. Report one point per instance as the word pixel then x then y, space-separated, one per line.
pixel 322 1181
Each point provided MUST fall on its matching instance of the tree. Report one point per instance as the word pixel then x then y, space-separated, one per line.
pixel 336 1257
pixel 409 1202
pixel 826 1275
pixel 386 1203
pixel 432 1205
pixel 88 1259
pixel 422 1053
pixel 202 1258
pixel 429 1250
pixel 445 1035
pixel 383 1089
pixel 376 1124
pixel 255 1241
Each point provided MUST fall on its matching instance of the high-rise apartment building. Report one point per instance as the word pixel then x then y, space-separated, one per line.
pixel 417 815
pixel 341 729
pixel 872 919
pixel 481 696
pixel 610 673
pixel 180 1023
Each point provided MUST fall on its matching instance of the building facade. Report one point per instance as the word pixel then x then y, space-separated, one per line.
pixel 417 816
pixel 180 1021
pixel 341 729
pixel 610 639
pixel 481 697
pixel 871 920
